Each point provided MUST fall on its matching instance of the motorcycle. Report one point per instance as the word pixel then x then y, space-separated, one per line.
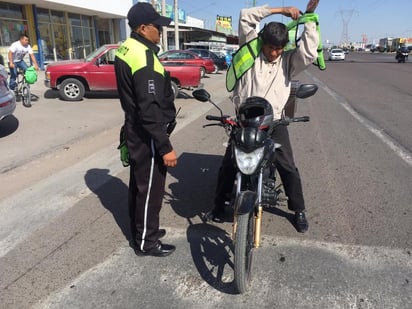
pixel 402 54
pixel 254 188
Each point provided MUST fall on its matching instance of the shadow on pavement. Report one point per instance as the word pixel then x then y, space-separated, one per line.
pixel 51 94
pixel 193 191
pixel 112 194
pixel 184 95
pixel 281 213
pixel 211 249
pixel 54 94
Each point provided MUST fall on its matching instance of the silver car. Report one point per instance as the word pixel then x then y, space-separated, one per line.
pixel 7 97
pixel 337 54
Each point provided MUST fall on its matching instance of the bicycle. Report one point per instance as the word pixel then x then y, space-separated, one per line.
pixel 23 89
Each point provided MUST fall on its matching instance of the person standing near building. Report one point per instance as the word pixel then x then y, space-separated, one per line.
pixel 270 77
pixel 147 100
pixel 17 51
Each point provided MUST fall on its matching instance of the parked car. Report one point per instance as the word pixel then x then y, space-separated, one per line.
pixel 7 97
pixel 219 62
pixel 72 78
pixel 337 54
pixel 188 57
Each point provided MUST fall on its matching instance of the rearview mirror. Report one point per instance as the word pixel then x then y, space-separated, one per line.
pixel 201 95
pixel 306 90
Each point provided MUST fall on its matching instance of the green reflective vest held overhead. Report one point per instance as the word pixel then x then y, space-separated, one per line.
pixel 244 57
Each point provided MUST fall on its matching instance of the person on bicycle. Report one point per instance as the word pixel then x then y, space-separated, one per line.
pixel 270 77
pixel 17 51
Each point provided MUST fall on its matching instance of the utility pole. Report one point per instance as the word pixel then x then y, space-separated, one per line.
pixel 164 33
pixel 176 21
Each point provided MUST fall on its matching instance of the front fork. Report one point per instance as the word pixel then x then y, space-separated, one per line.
pixel 258 213
pixel 257 210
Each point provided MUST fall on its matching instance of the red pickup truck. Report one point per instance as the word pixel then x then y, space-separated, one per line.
pixel 72 78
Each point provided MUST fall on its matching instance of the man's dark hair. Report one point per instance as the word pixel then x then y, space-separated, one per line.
pixel 275 34
pixel 23 35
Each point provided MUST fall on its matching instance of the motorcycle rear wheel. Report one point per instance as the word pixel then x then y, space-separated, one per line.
pixel 243 251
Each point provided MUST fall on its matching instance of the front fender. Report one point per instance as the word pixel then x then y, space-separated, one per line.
pixel 245 201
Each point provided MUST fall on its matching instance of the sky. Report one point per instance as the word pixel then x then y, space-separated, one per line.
pixel 354 19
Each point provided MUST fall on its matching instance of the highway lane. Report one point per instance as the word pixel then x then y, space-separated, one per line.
pixel 357 251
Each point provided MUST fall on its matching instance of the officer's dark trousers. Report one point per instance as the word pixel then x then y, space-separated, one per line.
pixel 146 190
pixel 285 165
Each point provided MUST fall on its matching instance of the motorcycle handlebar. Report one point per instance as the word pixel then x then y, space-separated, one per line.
pixel 215 118
pixel 285 122
pixel 300 119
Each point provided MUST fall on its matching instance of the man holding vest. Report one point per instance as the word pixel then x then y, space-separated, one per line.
pixel 269 76
pixel 147 100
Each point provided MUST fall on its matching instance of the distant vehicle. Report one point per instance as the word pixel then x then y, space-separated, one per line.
pixel 96 73
pixel 402 54
pixel 219 62
pixel 188 57
pixel 337 54
pixel 7 97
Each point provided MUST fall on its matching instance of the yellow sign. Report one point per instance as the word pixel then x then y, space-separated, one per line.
pixel 224 24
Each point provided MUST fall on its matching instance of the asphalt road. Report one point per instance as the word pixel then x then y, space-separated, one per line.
pixel 63 204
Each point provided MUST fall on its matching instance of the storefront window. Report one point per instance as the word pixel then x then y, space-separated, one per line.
pixel 82 32
pixel 103 26
pixel 12 26
pixel 53 34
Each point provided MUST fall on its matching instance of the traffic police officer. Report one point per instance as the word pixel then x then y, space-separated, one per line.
pixel 147 100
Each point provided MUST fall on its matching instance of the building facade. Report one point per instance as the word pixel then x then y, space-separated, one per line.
pixel 71 29
pixel 62 29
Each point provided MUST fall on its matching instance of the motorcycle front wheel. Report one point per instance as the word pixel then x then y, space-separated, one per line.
pixel 243 251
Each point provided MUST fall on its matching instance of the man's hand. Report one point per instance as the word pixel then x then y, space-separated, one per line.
pixel 291 11
pixel 170 159
pixel 311 7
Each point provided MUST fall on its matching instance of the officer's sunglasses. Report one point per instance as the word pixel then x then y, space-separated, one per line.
pixel 159 28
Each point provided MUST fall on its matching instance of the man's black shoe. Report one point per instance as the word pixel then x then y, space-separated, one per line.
pixel 302 224
pixel 215 216
pixel 159 250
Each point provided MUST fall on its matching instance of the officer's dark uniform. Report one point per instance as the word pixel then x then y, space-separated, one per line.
pixel 147 99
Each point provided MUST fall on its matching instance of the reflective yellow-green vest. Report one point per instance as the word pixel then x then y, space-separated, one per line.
pixel 293 32
pixel 244 57
pixel 134 54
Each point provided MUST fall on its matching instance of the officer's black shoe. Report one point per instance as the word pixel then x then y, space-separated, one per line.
pixel 158 250
pixel 160 234
pixel 301 223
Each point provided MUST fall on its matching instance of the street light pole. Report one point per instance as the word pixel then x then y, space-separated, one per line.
pixel 176 21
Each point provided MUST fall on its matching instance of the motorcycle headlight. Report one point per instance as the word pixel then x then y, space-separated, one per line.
pixel 248 162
